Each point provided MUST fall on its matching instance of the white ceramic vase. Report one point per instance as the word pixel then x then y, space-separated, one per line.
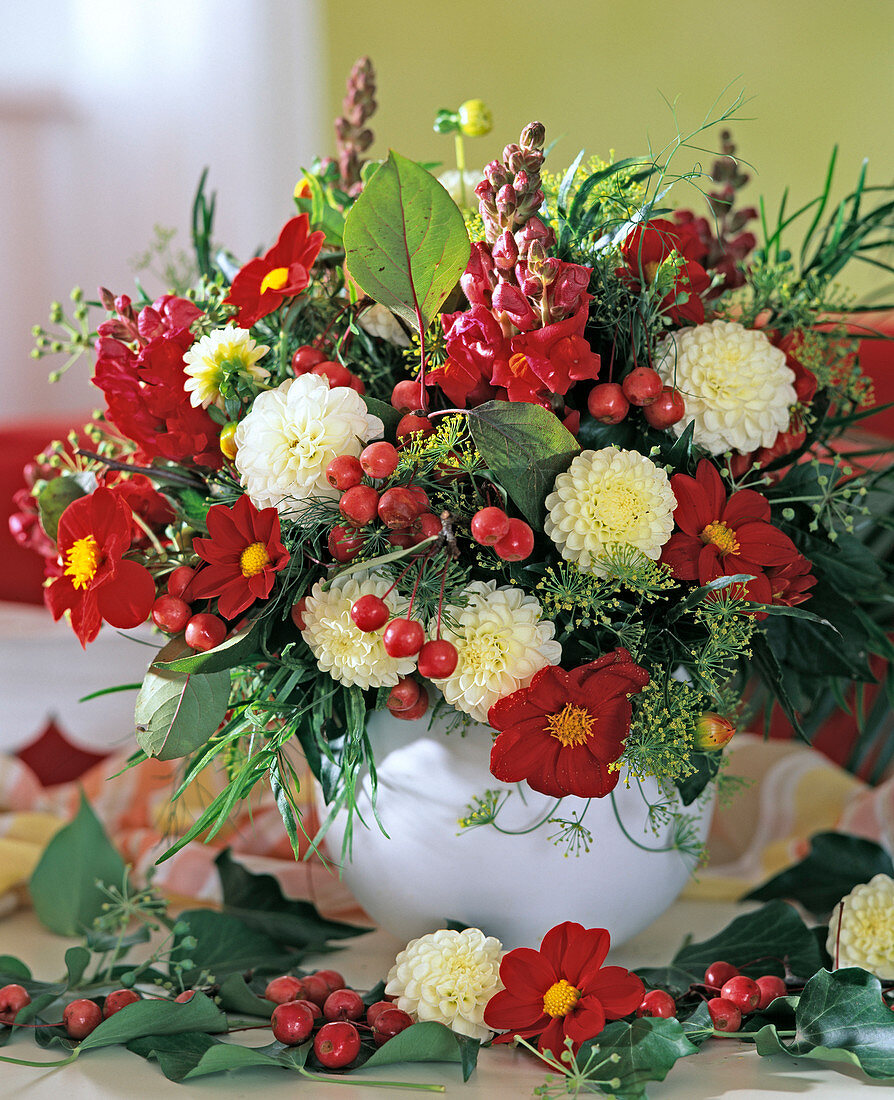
pixel 428 870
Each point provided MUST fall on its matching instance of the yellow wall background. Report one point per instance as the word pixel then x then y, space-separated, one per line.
pixel 816 73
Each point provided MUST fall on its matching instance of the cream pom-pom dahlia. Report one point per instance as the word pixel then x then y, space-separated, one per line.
pixel 737 387
pixel 349 654
pixel 609 499
pixel 448 976
pixel 861 931
pixel 501 641
pixel 218 356
pixel 292 433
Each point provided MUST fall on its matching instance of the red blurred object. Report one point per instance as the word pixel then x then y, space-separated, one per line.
pixel 55 760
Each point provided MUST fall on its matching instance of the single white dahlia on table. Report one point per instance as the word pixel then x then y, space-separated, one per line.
pixel 349 654
pixel 737 387
pixel 218 356
pixel 448 976
pixel 290 436
pixel 861 931
pixel 501 641
pixel 607 500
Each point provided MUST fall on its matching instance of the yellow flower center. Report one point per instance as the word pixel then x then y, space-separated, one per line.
pixel 82 561
pixel 518 364
pixel 275 279
pixel 723 537
pixel 615 508
pixel 571 726
pixel 253 560
pixel 560 998
pixel 486 652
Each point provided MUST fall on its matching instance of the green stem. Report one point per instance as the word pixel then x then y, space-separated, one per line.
pixel 459 145
pixel 748 1036
pixel 644 847
pixel 42 1065
pixel 349 1080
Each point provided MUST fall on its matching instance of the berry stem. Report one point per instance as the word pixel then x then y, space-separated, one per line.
pixel 42 1065
pixel 350 1080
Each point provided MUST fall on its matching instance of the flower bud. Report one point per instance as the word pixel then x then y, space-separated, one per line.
pixel 505 251
pixel 475 119
pixel 107 298
pixel 712 732
pixel 533 135
pixel 496 175
pixel 506 199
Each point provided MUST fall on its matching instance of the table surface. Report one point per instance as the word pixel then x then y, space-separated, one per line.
pixel 722 1068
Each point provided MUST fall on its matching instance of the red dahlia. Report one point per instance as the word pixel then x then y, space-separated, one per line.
pixel 561 732
pixel 264 283
pixel 244 552
pixel 719 537
pixel 97 582
pixel 647 247
pixel 562 990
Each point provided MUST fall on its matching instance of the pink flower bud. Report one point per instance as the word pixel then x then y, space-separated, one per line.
pixel 107 298
pixel 534 230
pixel 114 329
pixel 496 175
pixel 478 279
pixel 506 199
pixel 509 299
pixel 570 283
pixel 533 135
pixel 505 251
pixel 712 732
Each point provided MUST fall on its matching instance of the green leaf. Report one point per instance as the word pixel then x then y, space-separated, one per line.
pixel 157 1017
pixel 757 943
pixel 405 241
pixel 526 448
pixel 235 996
pixel 177 712
pixel 190 504
pixel 77 959
pixel 707 765
pixel 842 1016
pixel 227 1056
pixel 697 595
pixel 428 1041
pixel 258 902
pixel 14 969
pixel 646 1048
pixel 57 494
pixel 226 944
pixel 176 1054
pixel 389 416
pixel 836 863
pixel 238 649
pixel 63 885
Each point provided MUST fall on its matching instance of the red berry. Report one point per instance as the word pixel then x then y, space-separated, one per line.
pixel 306 357
pixel 178 581
pixel 344 543
pixel 171 614
pixel 743 992
pixel 332 978
pixel 416 711
pixel 118 999
pixel 437 659
pixel 399 506
pixel 81 1017
pixel 489 525
pixel 607 403
pixel 374 1009
pixel 403 539
pixel 517 544
pixel 406 396
pixel 404 695
pixel 344 472
pixel 379 459
pixel 718 973
pixel 358 505
pixel 390 1022
pixel 337 1044
pixel 337 374
pixel 297 612
pixel 771 987
pixel 724 1014
pixel 428 526
pixel 315 989
pixel 668 408
pixel 292 1023
pixel 205 631
pixel 185 996
pixel 315 1009
pixel 642 386
pixel 423 504
pixel 343 1004
pixel 284 988
pixel 13 999
pixel 659 1003
pixel 369 613
pixel 412 424
pixel 356 384
pixel 403 638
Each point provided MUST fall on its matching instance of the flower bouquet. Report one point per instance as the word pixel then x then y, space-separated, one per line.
pixel 533 493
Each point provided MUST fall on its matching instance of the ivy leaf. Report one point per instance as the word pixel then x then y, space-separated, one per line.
pixel 176 712
pixel 238 649
pixel 13 969
pixel 526 448
pixel 176 1054
pixel 405 240
pixel 63 885
pixel 56 496
pixel 157 1017
pixel 235 996
pixel 836 863
pixel 840 1016
pixel 389 416
pixel 77 959
pixel 226 1056
pixel 225 944
pixel 428 1041
pixel 757 943
pixel 646 1049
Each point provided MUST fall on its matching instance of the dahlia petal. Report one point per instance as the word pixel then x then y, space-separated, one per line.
pixel 745 506
pixel 586 1021
pixel 711 485
pixel 681 553
pixel 553 1037
pixel 765 543
pixel 694 509
pixel 126 600
pixel 587 948
pixel 556 944
pixel 619 991
pixel 505 1012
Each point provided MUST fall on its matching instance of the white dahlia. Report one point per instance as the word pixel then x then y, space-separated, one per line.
pixel 448 976
pixel 218 356
pixel 737 387
pixel 861 931
pixel 606 500
pixel 501 641
pixel 292 433
pixel 348 654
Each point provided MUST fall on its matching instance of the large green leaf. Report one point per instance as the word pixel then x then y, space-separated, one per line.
pixel 636 1053
pixel 405 240
pixel 225 944
pixel 157 1017
pixel 63 885
pixel 428 1041
pixel 177 712
pixel 526 447
pixel 836 863
pixel 236 650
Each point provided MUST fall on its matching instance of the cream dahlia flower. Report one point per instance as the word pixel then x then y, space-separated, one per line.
pixel 861 931
pixel 449 977
pixel 348 654
pixel 606 500
pixel 290 436
pixel 217 356
pixel 501 641
pixel 737 387
pixel 379 321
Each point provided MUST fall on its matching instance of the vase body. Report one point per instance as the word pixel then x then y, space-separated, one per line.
pixel 427 870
